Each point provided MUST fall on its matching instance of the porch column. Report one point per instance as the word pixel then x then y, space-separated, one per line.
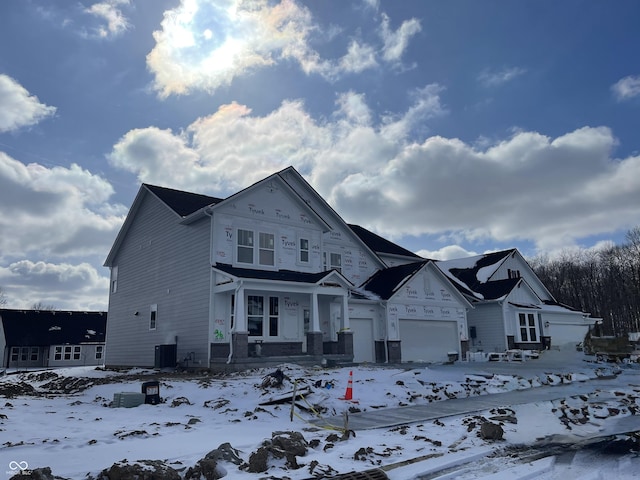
pixel 315 313
pixel 345 312
pixel 240 332
pixel 314 335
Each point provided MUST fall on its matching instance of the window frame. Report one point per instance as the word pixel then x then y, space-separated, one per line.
pixel 153 317
pixel 267 316
pixel 261 243
pixel 529 326
pixel 114 279
pixel 99 352
pixel 306 251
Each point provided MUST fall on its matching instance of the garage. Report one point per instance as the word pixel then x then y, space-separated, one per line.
pixel 363 345
pixel 428 340
pixel 566 333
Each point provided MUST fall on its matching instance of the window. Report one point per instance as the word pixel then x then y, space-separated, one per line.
pixel 76 353
pixel 303 254
pixel 513 273
pixel 99 351
pixel 245 246
pixel 114 279
pixel 15 354
pixel 153 317
pixel 35 354
pixel 273 316
pixel 335 262
pixel 24 353
pixel 255 315
pixel 67 353
pixel 57 355
pixel 528 328
pixel 260 320
pixel 267 255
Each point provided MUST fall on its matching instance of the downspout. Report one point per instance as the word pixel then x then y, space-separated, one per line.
pixel 235 322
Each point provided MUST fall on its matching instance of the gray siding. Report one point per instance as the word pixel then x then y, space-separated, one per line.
pixel 164 263
pixel 487 320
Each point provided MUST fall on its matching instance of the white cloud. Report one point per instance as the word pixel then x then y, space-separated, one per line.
pixel 206 44
pixel 65 286
pixel 115 23
pixel 56 212
pixel 396 42
pixel 246 36
pixel 358 58
pixel 551 191
pixel 446 253
pixel 627 87
pixel 490 78
pixel 18 108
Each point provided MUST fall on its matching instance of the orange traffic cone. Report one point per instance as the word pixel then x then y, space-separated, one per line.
pixel 348 395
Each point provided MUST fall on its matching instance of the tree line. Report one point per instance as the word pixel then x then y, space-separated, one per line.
pixel 605 282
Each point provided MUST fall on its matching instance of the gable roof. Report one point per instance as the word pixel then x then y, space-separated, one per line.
pixel 52 327
pixel 277 275
pixel 379 244
pixel 183 203
pixel 385 283
pixel 474 271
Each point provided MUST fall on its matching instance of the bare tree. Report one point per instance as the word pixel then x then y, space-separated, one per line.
pixel 41 306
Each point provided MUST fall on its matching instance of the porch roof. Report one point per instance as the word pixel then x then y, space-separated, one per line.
pixel 52 327
pixel 278 275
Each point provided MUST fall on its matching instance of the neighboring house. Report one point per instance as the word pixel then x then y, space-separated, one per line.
pixel 512 307
pixel 267 275
pixel 52 338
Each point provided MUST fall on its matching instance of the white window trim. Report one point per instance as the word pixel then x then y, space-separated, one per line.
pixel 256 248
pixel 114 279
pixel 153 317
pixel 266 318
pixel 536 327
pixel 299 251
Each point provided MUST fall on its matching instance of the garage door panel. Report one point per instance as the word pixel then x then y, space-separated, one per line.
pixel 427 340
pixel 363 342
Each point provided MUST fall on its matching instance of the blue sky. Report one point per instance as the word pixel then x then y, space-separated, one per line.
pixel 453 128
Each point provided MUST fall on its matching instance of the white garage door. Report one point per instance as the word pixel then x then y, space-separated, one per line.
pixel 363 346
pixel 427 340
pixel 562 334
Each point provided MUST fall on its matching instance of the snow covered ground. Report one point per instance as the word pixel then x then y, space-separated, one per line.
pixel 62 419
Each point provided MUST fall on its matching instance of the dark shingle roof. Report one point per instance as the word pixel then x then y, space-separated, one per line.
pixel 379 244
pixel 183 203
pixel 469 276
pixel 497 288
pixel 40 328
pixel 280 275
pixel 385 283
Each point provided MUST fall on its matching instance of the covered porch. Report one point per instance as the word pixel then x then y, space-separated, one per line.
pixel 263 318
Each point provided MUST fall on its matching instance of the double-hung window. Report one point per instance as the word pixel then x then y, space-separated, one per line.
pixel 303 252
pixel 245 246
pixel 528 327
pixel 261 321
pixel 267 252
pixel 248 252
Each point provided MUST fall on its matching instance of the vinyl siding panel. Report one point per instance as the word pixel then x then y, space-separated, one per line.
pixel 490 335
pixel 163 263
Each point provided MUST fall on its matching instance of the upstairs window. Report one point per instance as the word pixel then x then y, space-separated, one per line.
pixel 267 252
pixel 303 253
pixel 528 327
pixel 245 246
pixel 513 273
pixel 114 279
pixel 335 262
